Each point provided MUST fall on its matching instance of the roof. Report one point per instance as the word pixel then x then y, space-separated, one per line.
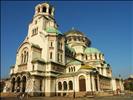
pixel 52 30
pixel 71 49
pixel 66 75
pixel 73 32
pixel 74 62
pixel 90 50
pixel 41 60
pixel 35 45
pixel 86 67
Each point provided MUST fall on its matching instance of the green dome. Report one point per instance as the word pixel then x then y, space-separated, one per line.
pixel 90 50
pixel 53 30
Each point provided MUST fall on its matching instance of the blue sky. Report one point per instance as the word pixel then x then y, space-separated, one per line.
pixel 109 25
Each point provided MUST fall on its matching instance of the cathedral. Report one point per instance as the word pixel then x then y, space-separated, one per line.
pixel 51 63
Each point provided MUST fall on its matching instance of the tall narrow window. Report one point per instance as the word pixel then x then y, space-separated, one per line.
pixel 51 55
pixel 58 57
pixel 61 57
pixel 74 68
pixel 40 85
pixel 86 57
pixel 51 44
pixel 44 9
pixel 58 45
pixel 38 10
pixel 27 57
pixel 36 30
pixel 50 11
pixel 33 67
pixel 100 56
pixel 22 58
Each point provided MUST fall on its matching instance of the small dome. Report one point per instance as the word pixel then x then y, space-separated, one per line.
pixel 74 32
pixel 90 50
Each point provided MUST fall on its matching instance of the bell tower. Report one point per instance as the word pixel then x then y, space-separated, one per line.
pixel 44 9
pixel 42 20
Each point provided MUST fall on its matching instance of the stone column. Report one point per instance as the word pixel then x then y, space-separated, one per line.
pixel 88 82
pixel 98 82
pixel 93 83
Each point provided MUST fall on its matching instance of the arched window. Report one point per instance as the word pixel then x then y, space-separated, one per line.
pixel 65 85
pixel 70 85
pixel 24 56
pixel 74 68
pixel 44 9
pixel 59 86
pixel 95 56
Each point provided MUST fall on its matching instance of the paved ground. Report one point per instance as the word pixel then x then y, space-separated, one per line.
pixel 65 98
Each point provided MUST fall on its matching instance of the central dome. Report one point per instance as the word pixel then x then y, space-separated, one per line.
pixel 74 32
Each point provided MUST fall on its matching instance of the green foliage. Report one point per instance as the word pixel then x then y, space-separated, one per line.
pixel 129 86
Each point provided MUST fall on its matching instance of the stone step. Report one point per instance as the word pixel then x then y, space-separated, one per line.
pixel 8 94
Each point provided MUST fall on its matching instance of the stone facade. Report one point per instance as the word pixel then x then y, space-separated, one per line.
pixel 50 63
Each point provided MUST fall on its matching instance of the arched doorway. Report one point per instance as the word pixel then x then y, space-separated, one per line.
pixel 64 87
pixel 13 84
pixel 59 86
pixel 18 84
pixel 70 85
pixel 82 83
pixel 23 83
